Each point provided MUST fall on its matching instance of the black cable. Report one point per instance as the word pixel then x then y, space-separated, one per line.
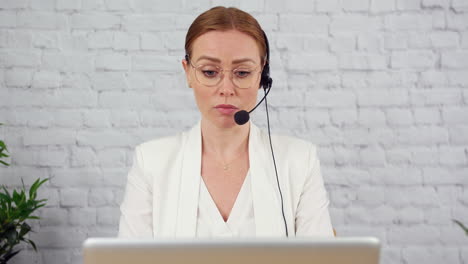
pixel 274 163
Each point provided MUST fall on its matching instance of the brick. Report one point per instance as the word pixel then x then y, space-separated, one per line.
pixel 304 23
pixel 412 60
pixel 151 41
pixel 68 5
pixel 371 117
pixel 436 96
pixel 427 116
pixel 124 118
pixel 95 21
pixel 100 40
pixel 52 158
pixel 430 255
pixel 399 117
pixel 157 5
pixel 7 19
pixel 459 5
pixel 424 156
pixel 407 22
pixel 419 41
pixel 118 5
pixel 396 40
pixel 457 78
pixel 13 4
pixel 20 58
pixel 452 156
pixel 63 237
pixel 18 39
pixel 380 98
pixel 372 156
pixel 111 158
pixel 370 42
pixel 379 6
pixel 327 5
pixel 444 176
pixel 144 22
pixel 422 135
pixel 155 63
pixel 342 43
pixel 44 5
pixel 458 134
pixel 444 39
pixel 18 78
pixel 455 115
pixel 432 78
pixel 99 118
pixel 82 217
pixel 99 140
pixel 330 99
pixel 362 62
pixel 73 197
pixel 113 62
pixel 83 157
pixel 457 21
pixel 124 100
pixel 435 3
pixel 354 23
pixel 408 5
pixel 102 81
pixel 67 62
pixel 124 41
pixel 49 137
pixel 410 215
pixel 355 5
pixel 454 59
pixel 108 216
pixel 46 79
pixel 300 6
pixel 343 117
pixel 42 20
pixel 53 217
pixel 99 197
pixel 309 62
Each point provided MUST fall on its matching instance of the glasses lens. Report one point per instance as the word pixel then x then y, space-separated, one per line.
pixel 244 77
pixel 208 75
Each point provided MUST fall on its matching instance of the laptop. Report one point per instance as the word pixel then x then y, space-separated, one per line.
pixel 349 250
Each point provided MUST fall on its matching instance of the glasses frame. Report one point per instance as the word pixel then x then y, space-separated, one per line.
pixel 222 70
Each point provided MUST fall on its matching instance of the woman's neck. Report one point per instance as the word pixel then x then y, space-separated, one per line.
pixel 226 142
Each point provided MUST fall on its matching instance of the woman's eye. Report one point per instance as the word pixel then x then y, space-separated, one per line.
pixel 242 74
pixel 209 73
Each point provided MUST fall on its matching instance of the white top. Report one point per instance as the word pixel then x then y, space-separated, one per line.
pixel 241 221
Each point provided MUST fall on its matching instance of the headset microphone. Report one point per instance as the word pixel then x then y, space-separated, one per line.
pixel 241 117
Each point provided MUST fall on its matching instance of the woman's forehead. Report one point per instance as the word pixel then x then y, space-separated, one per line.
pixel 226 47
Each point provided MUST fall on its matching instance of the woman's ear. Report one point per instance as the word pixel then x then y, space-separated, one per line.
pixel 187 72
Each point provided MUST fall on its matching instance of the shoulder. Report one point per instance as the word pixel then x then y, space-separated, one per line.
pixel 160 149
pixel 290 147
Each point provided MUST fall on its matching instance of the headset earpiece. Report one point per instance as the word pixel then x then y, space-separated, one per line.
pixel 266 80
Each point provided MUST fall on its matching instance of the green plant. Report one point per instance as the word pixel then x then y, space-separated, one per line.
pixel 3 151
pixel 462 226
pixel 15 209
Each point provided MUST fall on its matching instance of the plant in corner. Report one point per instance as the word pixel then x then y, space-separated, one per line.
pixel 15 208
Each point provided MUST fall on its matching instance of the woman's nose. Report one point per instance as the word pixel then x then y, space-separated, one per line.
pixel 227 86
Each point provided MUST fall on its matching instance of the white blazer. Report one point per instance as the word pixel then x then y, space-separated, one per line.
pixel 161 196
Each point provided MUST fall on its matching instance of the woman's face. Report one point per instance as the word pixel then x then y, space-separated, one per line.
pixel 238 55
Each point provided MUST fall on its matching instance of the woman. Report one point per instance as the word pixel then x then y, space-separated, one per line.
pixel 218 179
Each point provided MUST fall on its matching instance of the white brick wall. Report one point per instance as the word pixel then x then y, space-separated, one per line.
pixel 381 86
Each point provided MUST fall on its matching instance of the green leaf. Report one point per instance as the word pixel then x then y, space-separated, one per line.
pixel 32 244
pixel 35 186
pixel 461 225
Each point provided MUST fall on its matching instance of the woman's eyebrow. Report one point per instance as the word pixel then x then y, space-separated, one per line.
pixel 204 57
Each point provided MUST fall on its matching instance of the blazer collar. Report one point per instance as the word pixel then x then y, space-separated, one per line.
pixel 265 196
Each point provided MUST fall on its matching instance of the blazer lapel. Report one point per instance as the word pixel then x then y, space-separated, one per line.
pixel 189 184
pixel 265 194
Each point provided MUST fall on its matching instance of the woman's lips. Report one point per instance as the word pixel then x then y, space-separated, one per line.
pixel 226 109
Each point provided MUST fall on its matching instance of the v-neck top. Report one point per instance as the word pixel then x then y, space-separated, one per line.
pixel 241 221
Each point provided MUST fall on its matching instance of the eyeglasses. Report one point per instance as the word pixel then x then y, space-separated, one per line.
pixel 243 77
